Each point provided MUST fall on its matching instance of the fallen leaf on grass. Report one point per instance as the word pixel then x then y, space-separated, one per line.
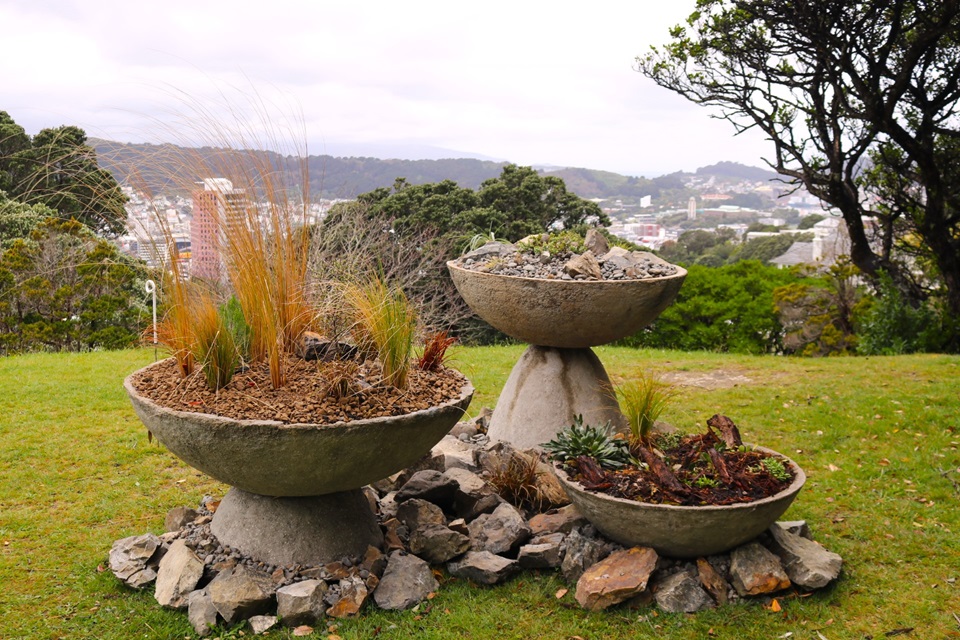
pixel 303 630
pixel 898 632
pixel 562 592
pixel 775 606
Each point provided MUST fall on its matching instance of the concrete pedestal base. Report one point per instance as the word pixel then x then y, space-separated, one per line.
pixel 311 530
pixel 546 389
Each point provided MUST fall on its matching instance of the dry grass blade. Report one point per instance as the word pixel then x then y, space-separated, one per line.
pixel 386 324
pixel 642 400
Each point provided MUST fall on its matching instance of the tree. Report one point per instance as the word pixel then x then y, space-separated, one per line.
pixel 64 289
pixel 834 86
pixel 58 170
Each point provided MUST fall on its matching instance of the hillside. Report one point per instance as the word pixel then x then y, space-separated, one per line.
pixel 149 166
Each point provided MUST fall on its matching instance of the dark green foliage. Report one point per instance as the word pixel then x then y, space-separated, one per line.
pixel 768 248
pixel 729 308
pixel 59 170
pixel 235 323
pixel 64 289
pixel 892 326
pixel 587 440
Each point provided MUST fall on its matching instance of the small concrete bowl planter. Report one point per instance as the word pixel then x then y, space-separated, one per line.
pixel 271 458
pixel 681 531
pixel 566 314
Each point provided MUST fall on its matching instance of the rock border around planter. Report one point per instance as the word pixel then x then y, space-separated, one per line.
pixel 458 520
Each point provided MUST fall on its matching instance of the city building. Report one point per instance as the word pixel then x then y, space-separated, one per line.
pixel 211 204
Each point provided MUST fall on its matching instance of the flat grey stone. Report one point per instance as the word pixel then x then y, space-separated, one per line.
pixel 437 543
pixel 754 570
pixel 456 454
pixel 130 560
pixel 407 581
pixel 500 531
pixel 807 563
pixel 417 514
pixel 200 612
pixel 483 567
pixel 682 593
pixel 259 625
pixel 180 571
pixel 178 517
pixel 301 602
pixel 429 485
pixel 241 593
pixel 545 555
pixel 580 553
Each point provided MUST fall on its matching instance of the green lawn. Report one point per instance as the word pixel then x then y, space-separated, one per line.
pixel 878 438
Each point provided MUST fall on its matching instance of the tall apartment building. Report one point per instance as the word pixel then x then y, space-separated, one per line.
pixel 210 205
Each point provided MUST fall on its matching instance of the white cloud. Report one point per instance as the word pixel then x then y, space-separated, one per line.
pixel 533 82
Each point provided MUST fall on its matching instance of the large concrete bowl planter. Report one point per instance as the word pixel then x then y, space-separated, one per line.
pixel 296 488
pixel 559 376
pixel 567 314
pixel 677 531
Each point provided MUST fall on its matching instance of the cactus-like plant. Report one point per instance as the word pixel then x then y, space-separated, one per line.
pixel 585 440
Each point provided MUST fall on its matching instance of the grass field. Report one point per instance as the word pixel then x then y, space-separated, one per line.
pixel 878 438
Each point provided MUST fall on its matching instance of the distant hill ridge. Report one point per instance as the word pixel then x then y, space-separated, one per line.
pixel 335 177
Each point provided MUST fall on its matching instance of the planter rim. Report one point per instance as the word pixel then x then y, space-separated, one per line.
pixel 681 272
pixel 798 481
pixel 466 390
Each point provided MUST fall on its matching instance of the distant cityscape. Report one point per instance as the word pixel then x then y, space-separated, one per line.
pixel 189 221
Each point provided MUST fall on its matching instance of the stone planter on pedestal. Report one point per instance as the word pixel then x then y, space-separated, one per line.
pixel 679 531
pixel 559 376
pixel 296 488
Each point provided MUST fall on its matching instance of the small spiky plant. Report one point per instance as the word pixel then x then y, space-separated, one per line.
pixel 434 353
pixel 585 440
pixel 642 400
pixel 515 480
pixel 386 324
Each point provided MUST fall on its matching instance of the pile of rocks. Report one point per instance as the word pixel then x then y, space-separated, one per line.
pixel 445 512
pixel 598 262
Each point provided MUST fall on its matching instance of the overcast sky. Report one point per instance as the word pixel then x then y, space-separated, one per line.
pixel 526 81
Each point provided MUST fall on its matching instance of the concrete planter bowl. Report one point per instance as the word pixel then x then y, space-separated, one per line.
pixel 565 313
pixel 273 459
pixel 681 532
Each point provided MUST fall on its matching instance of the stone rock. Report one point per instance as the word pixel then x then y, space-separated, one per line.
pixel 755 570
pixel 241 593
pixel 483 567
pixel 580 553
pixel 261 624
pixel 711 580
pixel 130 560
pixel 180 571
pixel 338 571
pixel 374 561
pixel 353 594
pixel 314 346
pixel 455 453
pixel 437 543
pixel 490 250
pixel 619 577
pixel 460 526
pixel 681 593
pixel 500 531
pixel 431 461
pixel 595 242
pixel 463 430
pixel 807 563
pixel 178 517
pixel 429 485
pixel 562 520
pixel 543 555
pixel 584 265
pixel 417 514
pixel 301 602
pixel 494 455
pixel 617 257
pixel 473 496
pixel 407 581
pixel 391 535
pixel 797 528
pixel 387 505
pixel 200 612
pixel 548 487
